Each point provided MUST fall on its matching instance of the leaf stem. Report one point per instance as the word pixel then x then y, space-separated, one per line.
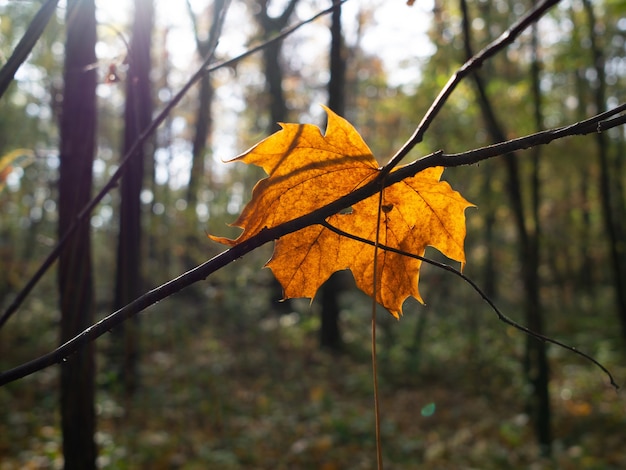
pixel 379 452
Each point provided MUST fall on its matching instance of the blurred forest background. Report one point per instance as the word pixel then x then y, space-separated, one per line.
pixel 221 375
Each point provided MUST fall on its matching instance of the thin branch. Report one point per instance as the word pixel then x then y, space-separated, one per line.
pixel 289 9
pixel 501 316
pixel 595 124
pixel 207 45
pixel 194 24
pixel 26 44
pixel 468 67
pixel 599 123
pixel 379 446
pixel 84 213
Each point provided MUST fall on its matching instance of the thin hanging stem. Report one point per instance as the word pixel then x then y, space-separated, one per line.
pixel 379 451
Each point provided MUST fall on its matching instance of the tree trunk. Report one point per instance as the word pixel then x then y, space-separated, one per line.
pixel 537 367
pixel 585 280
pixel 204 122
pixel 611 200
pixel 330 334
pixel 272 66
pixel 535 361
pixel 274 85
pixel 77 146
pixel 274 75
pixel 202 126
pixel 137 116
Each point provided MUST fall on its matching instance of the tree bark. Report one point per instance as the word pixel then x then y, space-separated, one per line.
pixel 535 361
pixel 537 368
pixel 274 75
pixel 204 121
pixel 137 117
pixel 77 146
pixel 330 333
pixel 611 199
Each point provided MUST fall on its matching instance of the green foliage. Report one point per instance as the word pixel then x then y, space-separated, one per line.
pixel 229 384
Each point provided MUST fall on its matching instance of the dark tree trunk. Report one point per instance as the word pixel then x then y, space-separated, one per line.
pixel 585 280
pixel 77 146
pixel 203 126
pixel 274 75
pixel 204 122
pixel 272 66
pixel 274 84
pixel 330 334
pixel 535 363
pixel 537 366
pixel 489 270
pixel 337 81
pixel 612 200
pixel 137 117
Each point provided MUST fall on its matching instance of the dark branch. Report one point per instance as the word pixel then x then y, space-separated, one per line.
pixel 468 67
pixel 82 216
pixel 599 123
pixel 26 44
pixel 502 317
pixel 289 9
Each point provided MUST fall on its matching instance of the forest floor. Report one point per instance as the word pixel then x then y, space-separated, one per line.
pixel 220 394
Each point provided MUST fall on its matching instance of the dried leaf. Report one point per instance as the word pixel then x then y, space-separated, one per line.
pixel 308 171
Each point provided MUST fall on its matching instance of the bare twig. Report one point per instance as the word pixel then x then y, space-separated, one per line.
pixel 501 316
pixel 599 123
pixel 26 44
pixel 84 213
pixel 595 124
pixel 468 67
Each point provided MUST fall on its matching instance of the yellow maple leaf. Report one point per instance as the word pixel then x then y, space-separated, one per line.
pixel 308 171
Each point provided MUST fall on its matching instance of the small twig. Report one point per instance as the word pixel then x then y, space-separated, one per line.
pixel 597 123
pixel 26 44
pixel 84 213
pixel 468 67
pixel 201 272
pixel 501 316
